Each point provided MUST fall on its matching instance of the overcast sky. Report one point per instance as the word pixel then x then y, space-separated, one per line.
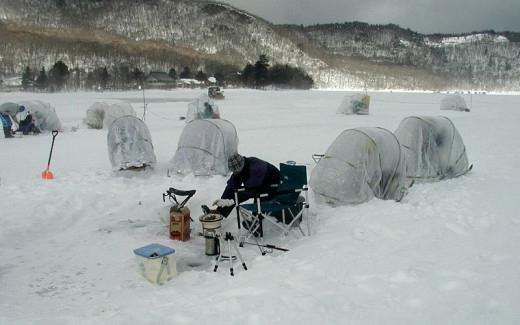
pixel 425 16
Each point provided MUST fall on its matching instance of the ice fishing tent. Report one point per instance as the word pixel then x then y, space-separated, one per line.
pixel 100 115
pixel 360 164
pixel 455 103
pixel 433 148
pixel 201 108
pixel 355 104
pixel 44 115
pixel 130 144
pixel 204 147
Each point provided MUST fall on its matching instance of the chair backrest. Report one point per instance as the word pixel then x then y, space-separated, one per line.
pixel 291 177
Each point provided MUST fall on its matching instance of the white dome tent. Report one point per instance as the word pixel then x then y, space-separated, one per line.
pixel 455 103
pixel 202 107
pixel 130 144
pixel 359 165
pixel 204 147
pixel 355 104
pixel 44 115
pixel 100 115
pixel 433 148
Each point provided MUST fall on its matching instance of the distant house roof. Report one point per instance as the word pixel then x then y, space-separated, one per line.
pixel 161 77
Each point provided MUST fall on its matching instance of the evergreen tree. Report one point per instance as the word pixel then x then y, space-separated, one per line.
pixel 103 77
pixel 186 73
pixel 262 71
pixel 138 76
pixel 285 76
pixel 219 75
pixel 201 76
pixel 172 73
pixel 42 82
pixel 248 75
pixel 58 75
pixel 27 79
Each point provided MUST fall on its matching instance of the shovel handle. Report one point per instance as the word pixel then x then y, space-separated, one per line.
pixel 54 133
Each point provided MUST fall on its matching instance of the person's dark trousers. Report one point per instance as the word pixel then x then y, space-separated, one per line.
pixel 7 133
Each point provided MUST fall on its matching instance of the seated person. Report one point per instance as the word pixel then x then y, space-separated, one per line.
pixel 208 112
pixel 254 174
pixel 27 125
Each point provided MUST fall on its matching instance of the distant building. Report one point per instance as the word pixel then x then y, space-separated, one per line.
pixel 159 80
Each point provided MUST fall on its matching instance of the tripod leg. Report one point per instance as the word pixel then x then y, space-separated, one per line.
pixel 219 256
pixel 230 258
pixel 239 255
pixel 260 247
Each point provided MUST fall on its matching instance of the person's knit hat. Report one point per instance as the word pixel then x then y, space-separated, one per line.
pixel 21 108
pixel 236 163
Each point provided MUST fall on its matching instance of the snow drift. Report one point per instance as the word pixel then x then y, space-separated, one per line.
pixel 130 144
pixel 359 165
pixel 204 147
pixel 433 148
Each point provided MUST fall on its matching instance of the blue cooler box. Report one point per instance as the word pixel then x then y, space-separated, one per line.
pixel 156 263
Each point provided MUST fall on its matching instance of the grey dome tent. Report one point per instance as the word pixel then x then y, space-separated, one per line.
pixel 359 165
pixel 201 108
pixel 44 115
pixel 130 144
pixel 433 148
pixel 100 115
pixel 204 147
pixel 355 104
pixel 455 103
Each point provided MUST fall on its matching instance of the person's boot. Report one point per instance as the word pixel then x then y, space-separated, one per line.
pixel 7 133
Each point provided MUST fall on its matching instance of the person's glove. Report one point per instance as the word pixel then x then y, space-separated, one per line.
pixel 221 203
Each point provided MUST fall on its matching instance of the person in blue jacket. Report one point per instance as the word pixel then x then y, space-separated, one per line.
pixel 6 124
pixel 254 174
pixel 8 112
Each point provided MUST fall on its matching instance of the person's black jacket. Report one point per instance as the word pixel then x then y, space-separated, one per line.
pixel 257 176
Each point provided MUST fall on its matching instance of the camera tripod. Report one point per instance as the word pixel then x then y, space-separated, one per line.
pixel 228 237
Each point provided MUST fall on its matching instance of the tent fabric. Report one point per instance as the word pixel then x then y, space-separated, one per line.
pixel 44 115
pixel 204 147
pixel 100 115
pixel 433 148
pixel 130 144
pixel 198 109
pixel 355 104
pixel 359 165
pixel 454 103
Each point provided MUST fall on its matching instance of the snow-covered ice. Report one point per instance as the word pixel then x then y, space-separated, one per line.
pixel 447 254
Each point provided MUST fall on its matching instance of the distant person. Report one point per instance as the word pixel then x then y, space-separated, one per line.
pixel 254 174
pixel 27 125
pixel 12 109
pixel 209 112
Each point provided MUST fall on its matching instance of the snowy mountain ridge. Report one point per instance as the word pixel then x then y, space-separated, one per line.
pixel 457 40
pixel 160 34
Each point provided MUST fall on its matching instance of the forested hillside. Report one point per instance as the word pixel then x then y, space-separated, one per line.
pixel 157 35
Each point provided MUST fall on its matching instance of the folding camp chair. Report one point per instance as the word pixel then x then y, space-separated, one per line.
pixel 285 210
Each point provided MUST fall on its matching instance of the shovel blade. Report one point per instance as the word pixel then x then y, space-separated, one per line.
pixel 47 174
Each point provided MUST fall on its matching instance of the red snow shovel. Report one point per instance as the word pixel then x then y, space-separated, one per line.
pixel 47 174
